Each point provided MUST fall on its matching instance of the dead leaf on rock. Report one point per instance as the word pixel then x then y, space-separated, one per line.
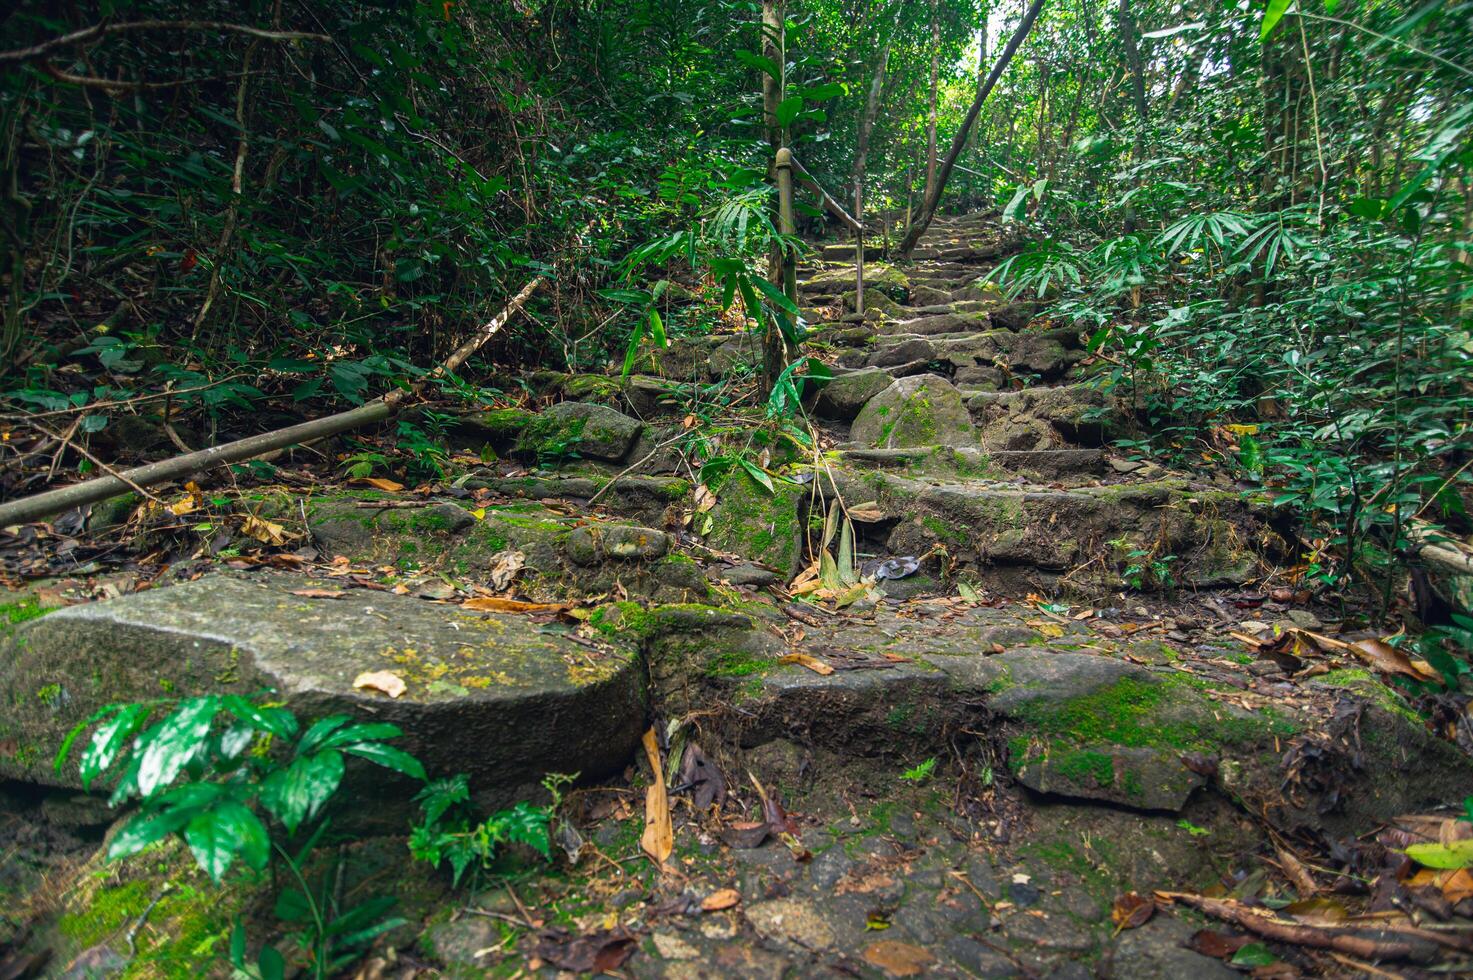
pixel 866 513
pixel 723 899
pixel 701 775
pixel 705 499
pixel 598 952
pixel 320 593
pixel 745 834
pixel 491 603
pixel 804 660
pixel 898 959
pixel 383 681
pixel 1132 911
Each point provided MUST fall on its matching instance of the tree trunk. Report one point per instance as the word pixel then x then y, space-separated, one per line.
pixel 931 115
pixel 774 353
pixel 1137 95
pixel 928 208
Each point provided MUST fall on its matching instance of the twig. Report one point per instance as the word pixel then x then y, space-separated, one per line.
pixel 102 30
pixel 67 442
pixel 633 466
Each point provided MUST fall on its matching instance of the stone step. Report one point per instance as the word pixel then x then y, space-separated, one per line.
pixel 492 695
pixel 1041 465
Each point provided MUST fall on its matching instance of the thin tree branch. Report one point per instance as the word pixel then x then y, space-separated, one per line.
pixel 86 34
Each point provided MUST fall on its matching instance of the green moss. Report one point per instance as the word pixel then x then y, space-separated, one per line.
pixel 1138 713
pixel 14 613
pixel 734 663
pixel 1083 765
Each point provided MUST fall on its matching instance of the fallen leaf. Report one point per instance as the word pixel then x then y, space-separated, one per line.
pixel 658 839
pixel 1131 911
pixel 804 660
pixel 1389 660
pixel 1215 944
pixel 379 483
pixel 491 603
pixel 1458 886
pixel 704 499
pixel 265 531
pixel 898 959
pixel 504 568
pixel 183 506
pixel 384 681
pixel 1317 910
pixel 320 593
pixel 598 952
pixel 723 899
pixel 707 784
pixel 866 513
pixel 745 835
pixel 1458 854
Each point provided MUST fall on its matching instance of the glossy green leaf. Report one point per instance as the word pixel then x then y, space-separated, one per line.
pixel 788 109
pixel 169 745
pixel 145 829
pixel 389 757
pixel 297 793
pixel 1272 16
pixel 109 740
pixel 758 474
pixel 218 834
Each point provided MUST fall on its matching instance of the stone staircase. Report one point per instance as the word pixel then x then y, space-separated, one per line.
pixel 960 432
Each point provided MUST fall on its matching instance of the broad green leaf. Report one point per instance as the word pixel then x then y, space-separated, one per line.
pixel 169 745
pixel 389 757
pixel 371 732
pixel 215 836
pixel 757 473
pixel 776 296
pixel 765 65
pixel 297 793
pixel 631 353
pixel 109 740
pixel 77 730
pixel 145 829
pixel 1458 854
pixel 657 329
pixel 319 731
pixel 1272 16
pixel 277 721
pixel 788 109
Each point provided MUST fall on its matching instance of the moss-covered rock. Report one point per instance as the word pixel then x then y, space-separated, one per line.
pixel 844 396
pixel 758 524
pixel 925 410
pixel 486 693
pixel 570 429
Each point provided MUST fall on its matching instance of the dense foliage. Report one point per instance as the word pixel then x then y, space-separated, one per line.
pixel 1261 215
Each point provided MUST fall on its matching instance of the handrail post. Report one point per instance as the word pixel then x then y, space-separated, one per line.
pixel 859 247
pixel 783 164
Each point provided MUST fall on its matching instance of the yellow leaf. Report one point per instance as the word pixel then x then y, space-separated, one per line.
pixel 379 483
pixel 658 839
pixel 804 660
pixel 1242 430
pixel 490 603
pixel 264 531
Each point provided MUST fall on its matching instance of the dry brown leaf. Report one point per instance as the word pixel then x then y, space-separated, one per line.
pixel 1388 659
pixel 491 603
pixel 898 959
pixel 804 660
pixel 658 839
pixel 705 499
pixel 319 593
pixel 1458 886
pixel 1131 911
pixel 723 899
pixel 379 483
pixel 264 531
pixel 384 681
pixel 504 568
pixel 866 513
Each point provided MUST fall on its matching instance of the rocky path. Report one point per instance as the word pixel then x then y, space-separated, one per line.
pixel 1027 696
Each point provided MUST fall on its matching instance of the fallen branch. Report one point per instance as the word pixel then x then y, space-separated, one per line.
pixel 42 505
pixel 1418 946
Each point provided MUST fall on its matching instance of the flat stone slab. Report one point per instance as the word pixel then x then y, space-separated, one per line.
pixel 500 697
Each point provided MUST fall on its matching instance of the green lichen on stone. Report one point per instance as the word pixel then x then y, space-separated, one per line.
pixel 1080 765
pixel 188 930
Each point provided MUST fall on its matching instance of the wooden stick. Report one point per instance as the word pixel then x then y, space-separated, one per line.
pixel 1279 930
